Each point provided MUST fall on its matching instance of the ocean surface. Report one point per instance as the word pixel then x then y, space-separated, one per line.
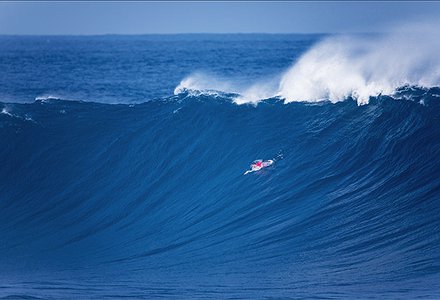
pixel 123 160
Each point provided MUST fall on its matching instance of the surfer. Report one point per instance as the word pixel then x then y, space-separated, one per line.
pixel 258 165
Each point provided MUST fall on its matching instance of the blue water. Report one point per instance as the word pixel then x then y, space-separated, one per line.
pixel 114 186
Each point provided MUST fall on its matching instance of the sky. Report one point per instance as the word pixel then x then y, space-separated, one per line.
pixel 91 18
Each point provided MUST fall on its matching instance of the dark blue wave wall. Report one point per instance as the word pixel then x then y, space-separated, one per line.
pixel 156 191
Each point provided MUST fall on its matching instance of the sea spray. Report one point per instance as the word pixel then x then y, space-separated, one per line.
pixel 364 66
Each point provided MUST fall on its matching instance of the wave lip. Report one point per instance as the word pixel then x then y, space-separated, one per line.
pixel 203 83
pixel 241 93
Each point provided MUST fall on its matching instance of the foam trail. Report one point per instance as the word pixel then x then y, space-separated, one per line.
pixel 361 67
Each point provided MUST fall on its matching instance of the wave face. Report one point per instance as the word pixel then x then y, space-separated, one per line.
pixel 149 200
pixel 156 192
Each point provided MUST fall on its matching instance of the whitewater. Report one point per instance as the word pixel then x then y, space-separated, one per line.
pixel 122 166
pixel 341 67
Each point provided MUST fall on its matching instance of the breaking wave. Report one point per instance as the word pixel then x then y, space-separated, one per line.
pixel 343 67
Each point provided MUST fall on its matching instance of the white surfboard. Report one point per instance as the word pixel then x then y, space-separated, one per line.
pixel 264 164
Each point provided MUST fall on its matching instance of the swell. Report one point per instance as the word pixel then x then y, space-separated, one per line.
pixel 160 186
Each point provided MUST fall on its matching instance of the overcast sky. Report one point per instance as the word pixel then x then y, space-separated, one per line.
pixel 208 17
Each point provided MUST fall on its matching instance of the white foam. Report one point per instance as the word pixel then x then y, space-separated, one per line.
pixel 44 98
pixel 6 112
pixel 257 92
pixel 199 82
pixel 361 67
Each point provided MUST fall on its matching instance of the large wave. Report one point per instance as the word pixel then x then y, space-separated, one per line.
pixel 153 195
pixel 149 200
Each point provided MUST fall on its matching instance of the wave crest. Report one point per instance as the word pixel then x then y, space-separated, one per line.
pixel 342 67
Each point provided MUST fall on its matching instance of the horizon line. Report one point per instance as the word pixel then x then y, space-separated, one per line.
pixel 185 33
